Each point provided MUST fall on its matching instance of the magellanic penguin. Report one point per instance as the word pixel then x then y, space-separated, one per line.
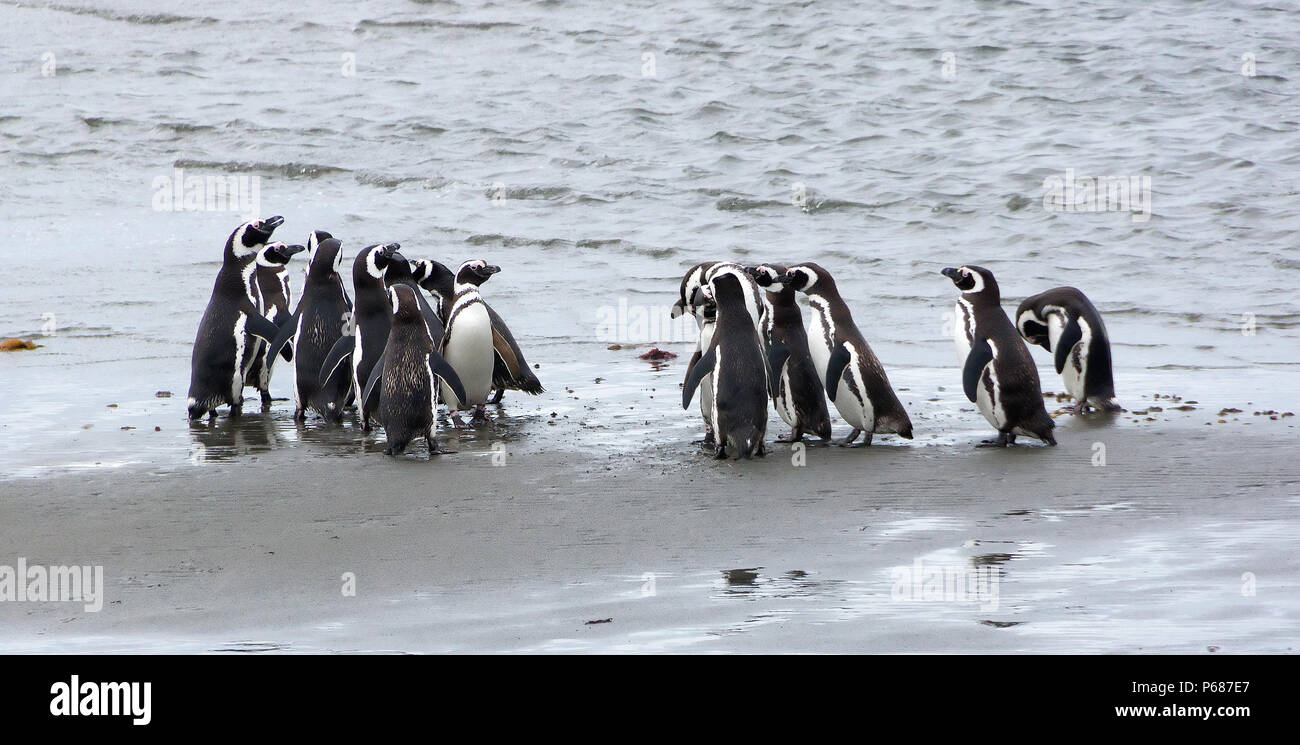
pixel 324 315
pixel 693 298
pixel 511 370
pixel 1065 323
pixel 797 391
pixel 738 363
pixel 372 317
pixel 855 380
pixel 231 318
pixel 467 344
pixel 275 297
pixel 998 373
pixel 407 388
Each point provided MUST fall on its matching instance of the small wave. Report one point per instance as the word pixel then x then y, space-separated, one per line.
pixel 145 19
pixel 432 23
pixel 285 170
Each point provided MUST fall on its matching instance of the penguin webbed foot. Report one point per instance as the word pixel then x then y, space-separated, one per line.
pixel 796 435
pixel 266 401
pixel 1003 440
pixel 853 435
pixel 496 399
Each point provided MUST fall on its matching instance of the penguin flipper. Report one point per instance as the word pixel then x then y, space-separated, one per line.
pixel 981 354
pixel 776 358
pixel 443 369
pixel 701 368
pixel 282 320
pixel 259 326
pixel 370 398
pixel 840 358
pixel 1069 337
pixel 341 350
pixel 286 333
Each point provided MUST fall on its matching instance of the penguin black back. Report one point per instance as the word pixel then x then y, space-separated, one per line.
pixel 324 315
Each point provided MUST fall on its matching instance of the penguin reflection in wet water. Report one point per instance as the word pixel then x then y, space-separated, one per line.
pixel 510 370
pixel 998 373
pixel 738 364
pixel 1064 322
pixel 230 320
pixel 408 381
pixel 797 391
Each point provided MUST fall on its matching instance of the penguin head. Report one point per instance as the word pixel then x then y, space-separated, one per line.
pixel 276 255
pixel 249 238
pixel 326 259
pixel 475 272
pixel 806 276
pixel 435 277
pixel 692 281
pixel 767 275
pixel 973 280
pixel 314 240
pixel 726 287
pixel 405 305
pixel 373 262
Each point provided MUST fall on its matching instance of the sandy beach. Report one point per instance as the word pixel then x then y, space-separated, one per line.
pixel 680 553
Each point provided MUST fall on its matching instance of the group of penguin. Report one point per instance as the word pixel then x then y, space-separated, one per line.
pixel 394 354
pixel 753 346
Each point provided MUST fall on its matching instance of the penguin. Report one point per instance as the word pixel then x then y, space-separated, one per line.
pixel 854 378
pixel 692 283
pixel 1064 322
pixel 406 384
pixel 798 395
pixel 467 343
pixel 275 297
pixel 231 318
pixel 510 370
pixel 692 299
pixel 998 373
pixel 324 315
pixel 372 319
pixel 737 361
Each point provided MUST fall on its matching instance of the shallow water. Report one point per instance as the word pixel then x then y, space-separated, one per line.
pixel 596 153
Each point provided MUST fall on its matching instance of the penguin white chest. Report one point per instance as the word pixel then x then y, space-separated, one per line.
pixel 963 329
pixel 1075 372
pixel 851 399
pixel 821 334
pixel 785 398
pixel 988 392
pixel 469 351
pixel 706 383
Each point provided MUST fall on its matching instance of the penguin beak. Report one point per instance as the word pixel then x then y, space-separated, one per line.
pixel 284 253
pixel 785 279
pixel 678 310
pixel 390 249
pixel 291 250
pixel 490 269
pixel 951 273
pixel 269 225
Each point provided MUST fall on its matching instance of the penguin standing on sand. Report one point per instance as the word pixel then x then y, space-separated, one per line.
pixel 216 364
pixel 693 298
pixel 372 319
pixel 854 378
pixel 467 344
pixel 797 391
pixel 737 361
pixel 407 385
pixel 998 373
pixel 274 298
pixel 324 315
pixel 511 370
pixel 1064 322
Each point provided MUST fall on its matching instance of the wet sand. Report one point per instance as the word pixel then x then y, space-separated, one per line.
pixel 681 553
